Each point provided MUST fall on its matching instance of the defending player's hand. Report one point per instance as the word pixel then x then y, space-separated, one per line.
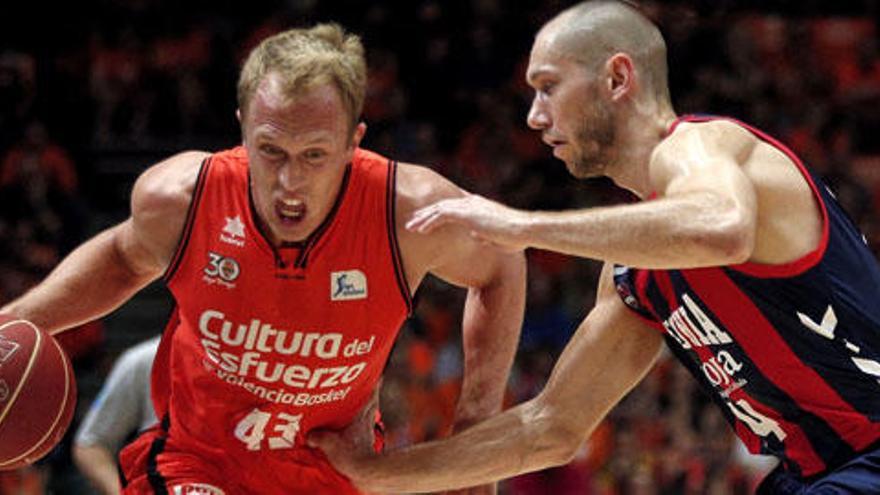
pixel 487 220
pixel 357 442
pixel 345 457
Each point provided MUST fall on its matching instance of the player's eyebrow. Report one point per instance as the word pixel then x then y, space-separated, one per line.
pixel 533 75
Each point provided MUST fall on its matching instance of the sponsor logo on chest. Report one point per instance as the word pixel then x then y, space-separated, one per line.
pixel 348 285
pixel 256 355
pixel 691 328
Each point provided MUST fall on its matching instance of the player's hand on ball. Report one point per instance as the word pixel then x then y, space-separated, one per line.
pixel 487 220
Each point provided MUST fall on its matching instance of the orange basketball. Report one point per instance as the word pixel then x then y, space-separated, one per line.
pixel 37 393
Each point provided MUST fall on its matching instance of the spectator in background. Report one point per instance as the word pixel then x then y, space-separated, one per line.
pixel 38 187
pixel 122 408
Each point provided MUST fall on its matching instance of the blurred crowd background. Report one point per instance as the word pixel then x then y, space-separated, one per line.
pixel 93 92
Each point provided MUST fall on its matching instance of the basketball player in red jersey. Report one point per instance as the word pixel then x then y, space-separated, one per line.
pixel 292 272
pixel 738 257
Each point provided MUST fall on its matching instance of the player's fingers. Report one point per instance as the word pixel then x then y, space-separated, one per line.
pixel 415 222
pixel 431 223
pixel 419 217
pixel 422 221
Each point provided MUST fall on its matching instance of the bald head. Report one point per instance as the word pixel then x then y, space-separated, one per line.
pixel 592 31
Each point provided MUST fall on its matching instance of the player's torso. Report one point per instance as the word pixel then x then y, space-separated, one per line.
pixel 791 352
pixel 271 344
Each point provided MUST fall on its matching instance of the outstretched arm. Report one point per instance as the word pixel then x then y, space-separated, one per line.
pixel 108 269
pixel 610 352
pixel 705 213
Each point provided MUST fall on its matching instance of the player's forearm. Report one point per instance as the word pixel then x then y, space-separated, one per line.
pixel 523 438
pixel 99 466
pixel 493 317
pixel 689 231
pixel 92 281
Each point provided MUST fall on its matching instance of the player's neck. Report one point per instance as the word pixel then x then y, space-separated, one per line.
pixel 639 133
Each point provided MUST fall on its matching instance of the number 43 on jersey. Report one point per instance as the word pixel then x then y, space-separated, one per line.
pixel 282 428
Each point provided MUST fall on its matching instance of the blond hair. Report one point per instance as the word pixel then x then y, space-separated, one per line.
pixel 305 59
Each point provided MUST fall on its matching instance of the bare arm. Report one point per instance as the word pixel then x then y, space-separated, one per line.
pixel 491 325
pixel 110 268
pixel 705 214
pixel 611 352
pixel 495 302
pixel 99 466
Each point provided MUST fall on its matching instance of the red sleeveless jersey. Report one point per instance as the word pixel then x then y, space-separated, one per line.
pixel 267 344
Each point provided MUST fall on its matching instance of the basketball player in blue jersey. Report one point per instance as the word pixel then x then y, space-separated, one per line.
pixel 737 257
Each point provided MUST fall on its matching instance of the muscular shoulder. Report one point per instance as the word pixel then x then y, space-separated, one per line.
pixel 694 146
pixel 169 184
pixel 419 186
pixel 160 200
pixel 716 135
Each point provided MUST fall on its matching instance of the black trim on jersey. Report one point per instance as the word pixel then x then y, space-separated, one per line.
pixel 157 481
pixel 122 481
pixel 190 220
pixel 315 236
pixel 656 303
pixel 390 223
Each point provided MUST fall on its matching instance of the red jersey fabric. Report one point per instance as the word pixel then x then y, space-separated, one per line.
pixel 267 343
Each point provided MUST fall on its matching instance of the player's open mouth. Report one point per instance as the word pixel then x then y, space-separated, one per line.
pixel 290 211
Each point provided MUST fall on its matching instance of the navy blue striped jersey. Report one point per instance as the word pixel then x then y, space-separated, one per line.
pixel 791 352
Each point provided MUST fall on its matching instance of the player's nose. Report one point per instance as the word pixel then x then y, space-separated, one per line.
pixel 291 176
pixel 538 117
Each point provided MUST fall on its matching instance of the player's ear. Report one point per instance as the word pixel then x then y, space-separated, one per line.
pixel 359 131
pixel 620 73
pixel 240 123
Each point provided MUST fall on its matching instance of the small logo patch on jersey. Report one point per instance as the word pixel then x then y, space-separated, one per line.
pixel 628 298
pixel 4 391
pixel 348 285
pixel 196 489
pixel 233 231
pixel 221 270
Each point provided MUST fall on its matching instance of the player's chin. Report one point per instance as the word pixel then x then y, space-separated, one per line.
pixel 291 229
pixel 560 151
pixel 567 155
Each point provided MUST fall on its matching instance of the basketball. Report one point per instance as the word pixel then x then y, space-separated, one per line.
pixel 37 393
